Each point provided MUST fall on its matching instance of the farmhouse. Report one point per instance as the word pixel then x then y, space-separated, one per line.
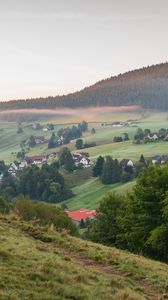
pixel 39 139
pixel 23 164
pixel 126 163
pixel 82 158
pixel 13 169
pixel 35 160
pixel 164 159
pixel 156 159
pixel 81 214
pixel 151 137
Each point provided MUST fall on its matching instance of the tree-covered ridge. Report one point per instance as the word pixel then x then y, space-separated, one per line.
pixel 147 87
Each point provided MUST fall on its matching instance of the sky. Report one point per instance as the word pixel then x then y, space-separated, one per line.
pixel 51 47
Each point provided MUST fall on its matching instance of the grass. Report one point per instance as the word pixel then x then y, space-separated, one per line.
pixel 89 193
pixel 70 268
pixel 128 150
pixel 10 140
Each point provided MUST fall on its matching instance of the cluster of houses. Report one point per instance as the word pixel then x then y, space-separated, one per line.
pixel 78 157
pixel 45 128
pixel 155 137
pixel 121 124
pixel 15 167
pixel 128 123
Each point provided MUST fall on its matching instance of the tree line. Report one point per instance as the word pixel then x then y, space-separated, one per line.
pixel 146 87
pixel 110 170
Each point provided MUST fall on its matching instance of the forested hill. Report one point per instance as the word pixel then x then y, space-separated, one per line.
pixel 147 87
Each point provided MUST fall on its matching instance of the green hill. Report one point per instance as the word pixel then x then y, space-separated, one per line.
pixel 36 263
pixel 145 87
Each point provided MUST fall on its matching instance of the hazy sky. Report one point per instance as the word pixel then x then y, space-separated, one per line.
pixel 50 47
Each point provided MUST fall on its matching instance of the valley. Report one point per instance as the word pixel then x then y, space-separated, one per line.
pixel 88 191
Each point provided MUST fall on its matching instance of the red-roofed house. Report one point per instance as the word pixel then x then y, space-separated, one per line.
pixel 35 160
pixel 81 214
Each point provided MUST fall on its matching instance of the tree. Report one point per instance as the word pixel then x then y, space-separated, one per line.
pixel 3 167
pixel 105 229
pixel 98 168
pixel 19 130
pixel 126 137
pixel 93 131
pixel 139 134
pixel 31 142
pixel 142 159
pixel 52 141
pixel 117 139
pixel 144 222
pixel 147 131
pixel 4 206
pixel 69 163
pixel 79 144
pixel 117 171
pixel 107 174
pixel 66 159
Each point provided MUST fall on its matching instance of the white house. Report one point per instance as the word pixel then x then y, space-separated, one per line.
pixel 23 164
pixel 86 162
pixel 13 169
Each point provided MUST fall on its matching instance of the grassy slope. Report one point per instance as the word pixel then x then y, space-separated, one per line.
pixel 128 150
pixel 89 193
pixel 70 268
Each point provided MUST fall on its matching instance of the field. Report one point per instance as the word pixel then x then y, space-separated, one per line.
pixel 87 190
pixel 70 268
pixel 89 193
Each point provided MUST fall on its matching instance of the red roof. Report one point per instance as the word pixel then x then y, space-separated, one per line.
pixel 81 214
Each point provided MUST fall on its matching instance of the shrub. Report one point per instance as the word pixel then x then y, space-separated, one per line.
pixel 46 214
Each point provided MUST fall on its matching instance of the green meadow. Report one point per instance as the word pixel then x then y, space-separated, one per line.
pixel 89 194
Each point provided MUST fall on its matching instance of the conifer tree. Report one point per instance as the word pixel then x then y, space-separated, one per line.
pixel 98 168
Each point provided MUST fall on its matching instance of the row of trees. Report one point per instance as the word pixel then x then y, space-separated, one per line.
pixel 112 171
pixel 65 135
pixel 138 221
pixel 81 145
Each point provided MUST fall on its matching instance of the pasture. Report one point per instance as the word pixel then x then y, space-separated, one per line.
pixel 89 194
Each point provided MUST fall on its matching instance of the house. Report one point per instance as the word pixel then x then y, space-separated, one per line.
pixel 13 169
pixel 86 162
pixel 48 127
pixel 82 158
pixel 164 159
pixel 23 164
pixel 151 137
pixel 35 160
pixel 45 128
pixel 81 214
pixel 1 177
pixel 126 163
pixel 156 159
pixel 117 124
pixel 166 137
pixel 40 139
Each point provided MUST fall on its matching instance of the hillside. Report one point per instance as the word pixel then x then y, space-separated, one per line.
pixel 146 87
pixel 39 264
